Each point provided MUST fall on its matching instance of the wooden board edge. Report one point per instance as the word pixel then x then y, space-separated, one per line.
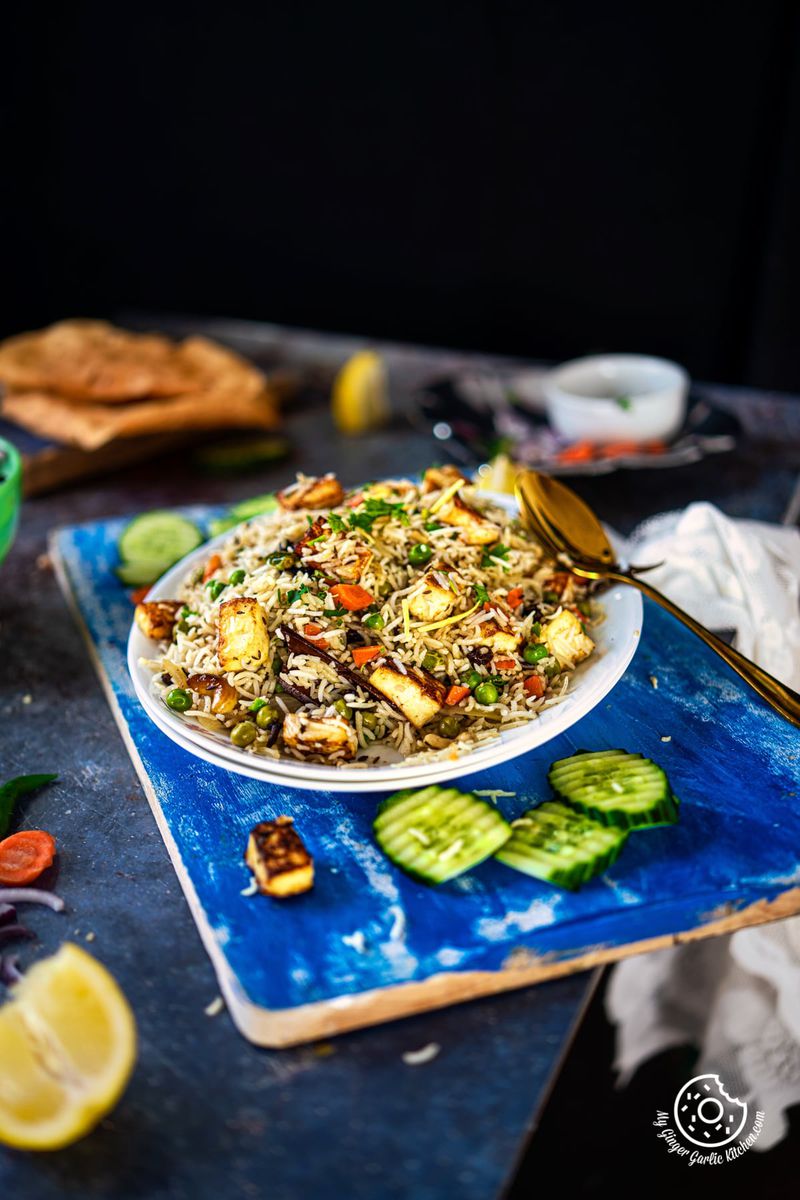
pixel 290 1027
pixel 282 1028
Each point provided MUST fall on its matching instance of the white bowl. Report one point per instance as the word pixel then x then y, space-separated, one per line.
pixel 616 397
pixel 617 638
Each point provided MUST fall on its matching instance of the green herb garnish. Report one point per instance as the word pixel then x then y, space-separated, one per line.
pixel 295 593
pixel 373 510
pixel 336 523
pixel 624 402
pixel 10 793
pixel 481 594
pixel 491 553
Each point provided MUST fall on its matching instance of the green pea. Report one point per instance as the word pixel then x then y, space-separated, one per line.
pixel 267 715
pixel 258 703
pixel 420 554
pixel 237 576
pixel 536 628
pixel 244 733
pixel 344 710
pixel 449 727
pixel 551 669
pixel 471 679
pixel 535 652
pixel 486 693
pixel 370 719
pixel 374 621
pixel 215 587
pixel 179 699
pixel 430 661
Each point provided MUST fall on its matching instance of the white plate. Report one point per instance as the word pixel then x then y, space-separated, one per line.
pixel 617 638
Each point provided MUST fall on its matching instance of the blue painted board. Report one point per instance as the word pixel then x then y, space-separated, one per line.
pixel 335 957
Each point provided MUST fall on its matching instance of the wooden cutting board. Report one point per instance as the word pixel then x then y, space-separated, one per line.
pixel 369 944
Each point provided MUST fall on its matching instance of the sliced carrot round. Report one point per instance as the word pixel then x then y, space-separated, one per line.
pixel 24 856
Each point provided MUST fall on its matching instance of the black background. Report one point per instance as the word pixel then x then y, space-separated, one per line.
pixel 541 178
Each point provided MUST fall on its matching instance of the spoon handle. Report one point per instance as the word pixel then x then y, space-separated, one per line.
pixel 782 698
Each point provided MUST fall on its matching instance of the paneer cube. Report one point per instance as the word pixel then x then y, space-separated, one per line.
pixel 502 640
pixel 349 568
pixel 347 565
pixel 156 618
pixel 243 638
pixel 332 737
pixel 317 528
pixel 436 479
pixel 475 529
pixel 309 492
pixel 432 602
pixel 278 859
pixel 566 640
pixel 416 693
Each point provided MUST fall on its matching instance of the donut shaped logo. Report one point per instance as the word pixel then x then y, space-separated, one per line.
pixel 706 1115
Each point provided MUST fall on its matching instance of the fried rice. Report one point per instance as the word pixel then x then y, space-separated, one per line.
pixel 451 594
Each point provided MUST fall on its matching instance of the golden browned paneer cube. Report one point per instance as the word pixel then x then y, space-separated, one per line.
pixel 325 492
pixel 565 639
pixel 243 639
pixel 156 618
pixel 332 737
pixel 436 479
pixel 502 641
pixel 475 529
pixel 278 859
pixel 418 696
pixel 432 602
pixel 349 567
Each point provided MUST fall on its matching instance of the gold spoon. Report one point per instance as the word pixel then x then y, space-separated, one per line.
pixel 566 526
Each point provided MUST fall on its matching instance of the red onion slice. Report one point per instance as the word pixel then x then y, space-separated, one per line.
pixel 31 896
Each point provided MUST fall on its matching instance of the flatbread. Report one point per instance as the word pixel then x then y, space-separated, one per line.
pixel 82 360
pixel 93 425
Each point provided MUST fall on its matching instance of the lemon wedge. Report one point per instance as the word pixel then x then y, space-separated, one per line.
pixel 67 1049
pixel 360 395
pixel 499 475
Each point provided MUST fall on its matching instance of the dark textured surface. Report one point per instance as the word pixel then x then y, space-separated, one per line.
pixel 206 1114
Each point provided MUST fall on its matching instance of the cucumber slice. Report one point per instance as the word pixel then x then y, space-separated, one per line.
pixel 438 833
pixel 159 536
pixel 615 787
pixel 219 525
pixel 255 507
pixel 556 844
pixel 137 574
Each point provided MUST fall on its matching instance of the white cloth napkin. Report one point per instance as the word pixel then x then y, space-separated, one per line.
pixel 736 997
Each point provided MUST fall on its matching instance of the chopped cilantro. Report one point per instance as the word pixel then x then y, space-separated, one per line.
pixel 481 594
pixel 373 509
pixel 491 553
pixel 296 593
pixel 336 523
pixel 624 402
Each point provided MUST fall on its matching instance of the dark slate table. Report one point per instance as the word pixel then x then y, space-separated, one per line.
pixel 206 1114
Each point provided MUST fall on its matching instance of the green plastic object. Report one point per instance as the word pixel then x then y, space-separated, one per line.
pixel 10 495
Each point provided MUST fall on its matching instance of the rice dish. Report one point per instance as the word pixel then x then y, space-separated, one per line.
pixel 402 620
